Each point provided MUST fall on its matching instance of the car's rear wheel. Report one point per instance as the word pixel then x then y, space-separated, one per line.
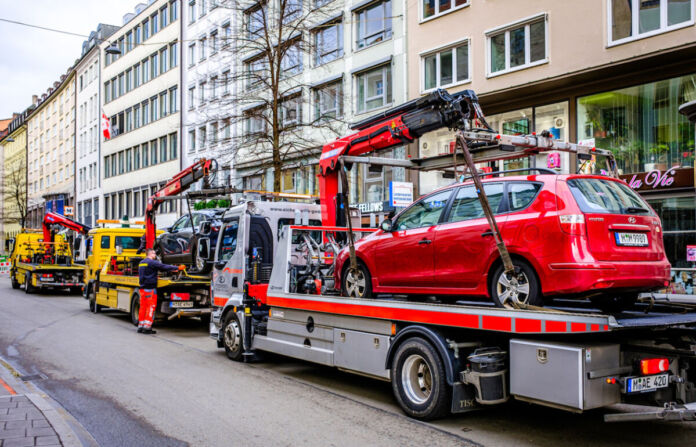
pixel 356 282
pixel 521 285
pixel 200 265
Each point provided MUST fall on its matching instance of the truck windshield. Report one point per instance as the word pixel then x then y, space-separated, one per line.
pixel 296 237
pixel 128 242
pixel 606 197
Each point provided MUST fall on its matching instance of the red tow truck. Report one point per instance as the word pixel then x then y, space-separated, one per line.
pixel 454 357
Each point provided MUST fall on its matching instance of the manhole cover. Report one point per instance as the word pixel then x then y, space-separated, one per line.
pixel 31 377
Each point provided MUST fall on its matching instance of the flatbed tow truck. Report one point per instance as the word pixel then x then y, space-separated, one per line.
pixel 450 358
pixel 41 260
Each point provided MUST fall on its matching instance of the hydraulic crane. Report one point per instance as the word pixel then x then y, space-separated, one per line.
pixel 51 219
pixel 179 183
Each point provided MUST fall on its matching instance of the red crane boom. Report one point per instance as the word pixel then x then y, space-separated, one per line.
pixel 58 219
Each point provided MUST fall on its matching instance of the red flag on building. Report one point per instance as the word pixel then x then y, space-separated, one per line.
pixel 106 126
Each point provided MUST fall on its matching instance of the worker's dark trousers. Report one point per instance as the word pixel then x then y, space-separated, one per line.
pixel 148 302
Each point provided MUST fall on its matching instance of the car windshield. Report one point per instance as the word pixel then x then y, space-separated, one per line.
pixel 606 197
pixel 128 242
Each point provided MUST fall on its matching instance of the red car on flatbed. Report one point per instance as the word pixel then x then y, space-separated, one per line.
pixel 568 235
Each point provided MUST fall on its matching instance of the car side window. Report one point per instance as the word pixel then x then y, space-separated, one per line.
pixel 467 206
pixel 520 195
pixel 106 242
pixel 425 212
pixel 180 224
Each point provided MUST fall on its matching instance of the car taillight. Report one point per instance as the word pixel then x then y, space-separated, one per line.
pixel 572 223
pixel 654 366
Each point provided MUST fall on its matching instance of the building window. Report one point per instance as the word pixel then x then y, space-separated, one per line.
pixel 192 140
pixel 164 155
pixel 146 112
pixel 256 72
pixel 226 34
pixel 191 97
pixel 146 29
pixel 213 42
pixel 291 112
pixel 136 157
pixel 213 87
pixel 201 93
pixel 136 35
pixel 292 60
pixel 634 19
pixel 518 46
pixel 641 125
pixel 164 60
pixel 446 67
pixel 293 9
pixel 255 122
pixel 192 11
pixel 163 104
pixel 328 42
pixel 136 75
pixel 328 101
pixel 192 54
pixel 154 22
pixel 254 20
pixel 164 16
pixel 374 89
pixel 145 152
pixel 173 11
pixel 374 24
pixel 226 129
pixel 202 137
pixel 153 152
pixel 432 8
pixel 202 42
pixel 173 145
pixel 173 54
pixel 146 70
pixel 226 82
pixel 173 99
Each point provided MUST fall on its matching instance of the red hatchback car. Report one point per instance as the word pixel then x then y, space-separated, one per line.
pixel 569 235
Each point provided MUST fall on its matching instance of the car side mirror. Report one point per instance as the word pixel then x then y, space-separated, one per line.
pixel 204 228
pixel 204 248
pixel 386 225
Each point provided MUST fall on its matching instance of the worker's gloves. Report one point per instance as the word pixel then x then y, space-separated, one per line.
pixel 182 268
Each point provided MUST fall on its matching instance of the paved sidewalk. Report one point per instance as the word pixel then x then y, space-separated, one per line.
pixel 27 419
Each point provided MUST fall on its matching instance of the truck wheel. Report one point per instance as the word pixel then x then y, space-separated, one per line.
pixel 419 382
pixel 526 290
pixel 232 337
pixel 15 283
pixel 135 310
pixel 92 297
pixel 28 287
pixel 356 283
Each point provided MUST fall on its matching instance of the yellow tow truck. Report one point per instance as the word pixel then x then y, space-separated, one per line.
pixel 38 264
pixel 111 278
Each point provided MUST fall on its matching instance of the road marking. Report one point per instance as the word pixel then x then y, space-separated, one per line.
pixel 7 387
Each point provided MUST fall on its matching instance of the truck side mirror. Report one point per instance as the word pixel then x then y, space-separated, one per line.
pixel 204 248
pixel 119 250
pixel 386 225
pixel 204 228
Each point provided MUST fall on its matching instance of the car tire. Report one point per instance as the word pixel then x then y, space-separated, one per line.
pixel 615 302
pixel 200 266
pixel 419 382
pixel 135 310
pixel 357 284
pixel 232 337
pixel 28 287
pixel 527 291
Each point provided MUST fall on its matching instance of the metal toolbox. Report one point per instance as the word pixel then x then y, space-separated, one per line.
pixel 569 376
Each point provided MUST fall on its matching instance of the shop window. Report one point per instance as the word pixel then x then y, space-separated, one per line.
pixel 518 46
pixel 374 89
pixel 635 19
pixel 678 216
pixel 432 8
pixel 641 125
pixel 446 67
pixel 374 24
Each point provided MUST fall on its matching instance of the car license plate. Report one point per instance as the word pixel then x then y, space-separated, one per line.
pixel 632 239
pixel 647 383
pixel 179 304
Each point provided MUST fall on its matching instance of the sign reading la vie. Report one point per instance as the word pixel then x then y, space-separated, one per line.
pixel 658 180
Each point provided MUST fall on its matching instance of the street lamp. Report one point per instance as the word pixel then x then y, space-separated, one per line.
pixel 112 49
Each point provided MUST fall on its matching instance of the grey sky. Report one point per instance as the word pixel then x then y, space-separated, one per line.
pixel 32 59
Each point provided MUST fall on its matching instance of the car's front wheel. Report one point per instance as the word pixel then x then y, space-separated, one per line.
pixel 356 283
pixel 521 285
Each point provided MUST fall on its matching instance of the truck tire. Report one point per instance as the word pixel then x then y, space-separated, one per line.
pixel 28 287
pixel 419 381
pixel 135 310
pixel 92 297
pixel 13 280
pixel 232 338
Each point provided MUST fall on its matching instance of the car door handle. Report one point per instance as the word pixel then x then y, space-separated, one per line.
pixel 487 233
pixel 424 241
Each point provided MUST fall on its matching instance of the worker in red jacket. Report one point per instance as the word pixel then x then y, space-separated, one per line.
pixel 147 271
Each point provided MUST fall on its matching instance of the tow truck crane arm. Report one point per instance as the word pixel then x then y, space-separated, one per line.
pixel 179 183
pixel 394 127
pixel 58 219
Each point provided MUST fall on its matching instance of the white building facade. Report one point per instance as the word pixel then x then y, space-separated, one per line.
pixel 141 97
pixel 208 57
pixel 88 113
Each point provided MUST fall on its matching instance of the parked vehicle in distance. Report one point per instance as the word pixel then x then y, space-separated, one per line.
pixel 179 245
pixel 570 235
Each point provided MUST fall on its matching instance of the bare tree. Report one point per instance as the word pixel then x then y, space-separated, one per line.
pixel 14 190
pixel 259 108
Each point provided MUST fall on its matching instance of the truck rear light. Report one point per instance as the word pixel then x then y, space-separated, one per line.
pixel 654 366
pixel 572 223
pixel 47 275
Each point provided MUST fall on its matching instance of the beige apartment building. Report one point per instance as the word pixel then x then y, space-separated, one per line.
pixel 141 97
pixel 610 73
pixel 51 150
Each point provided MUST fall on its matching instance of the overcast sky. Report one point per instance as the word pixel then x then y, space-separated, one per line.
pixel 32 59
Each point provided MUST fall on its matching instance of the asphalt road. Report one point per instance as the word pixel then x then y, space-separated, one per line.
pixel 176 388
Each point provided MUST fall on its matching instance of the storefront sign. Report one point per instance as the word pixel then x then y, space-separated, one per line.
pixel 400 194
pixel 661 179
pixel 691 253
pixel 370 207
